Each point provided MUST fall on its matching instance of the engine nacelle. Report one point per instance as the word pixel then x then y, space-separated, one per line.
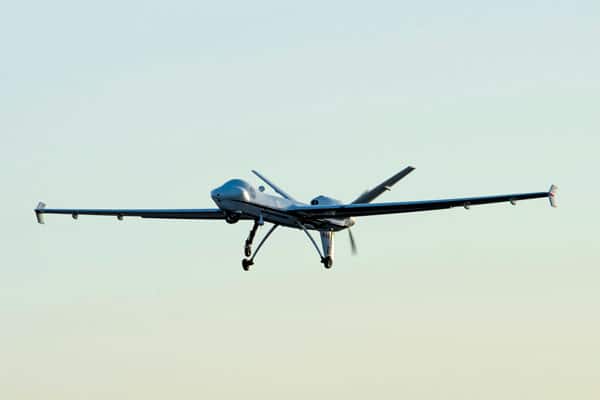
pixel 324 201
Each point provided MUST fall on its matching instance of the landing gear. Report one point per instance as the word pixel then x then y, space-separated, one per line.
pixel 326 237
pixel 247 262
pixel 248 243
pixel 327 262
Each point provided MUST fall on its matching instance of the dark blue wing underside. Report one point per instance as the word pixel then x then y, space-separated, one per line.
pixel 143 213
pixel 358 210
pixel 306 212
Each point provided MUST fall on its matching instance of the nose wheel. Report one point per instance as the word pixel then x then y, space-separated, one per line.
pixel 247 262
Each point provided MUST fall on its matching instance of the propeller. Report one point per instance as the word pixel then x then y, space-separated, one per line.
pixel 352 242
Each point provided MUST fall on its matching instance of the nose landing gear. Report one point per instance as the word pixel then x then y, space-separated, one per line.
pixel 248 243
pixel 247 262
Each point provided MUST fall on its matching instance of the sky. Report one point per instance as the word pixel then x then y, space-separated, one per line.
pixel 152 104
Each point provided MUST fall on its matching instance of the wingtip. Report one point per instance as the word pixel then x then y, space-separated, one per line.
pixel 552 195
pixel 39 212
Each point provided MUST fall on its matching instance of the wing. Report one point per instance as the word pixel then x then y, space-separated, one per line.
pixel 143 213
pixel 360 210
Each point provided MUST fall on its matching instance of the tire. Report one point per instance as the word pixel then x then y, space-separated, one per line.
pixel 246 263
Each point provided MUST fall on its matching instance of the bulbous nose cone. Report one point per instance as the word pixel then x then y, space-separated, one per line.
pixel 232 190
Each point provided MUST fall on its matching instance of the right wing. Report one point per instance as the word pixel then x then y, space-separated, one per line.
pixel 211 213
pixel 361 210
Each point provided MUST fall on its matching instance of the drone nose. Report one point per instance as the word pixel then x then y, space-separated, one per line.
pixel 229 193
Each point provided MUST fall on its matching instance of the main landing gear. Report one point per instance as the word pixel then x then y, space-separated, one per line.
pixel 327 262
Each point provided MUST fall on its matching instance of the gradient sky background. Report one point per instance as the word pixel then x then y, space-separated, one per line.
pixel 149 104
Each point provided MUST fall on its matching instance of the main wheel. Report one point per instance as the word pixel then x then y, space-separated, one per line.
pixel 327 262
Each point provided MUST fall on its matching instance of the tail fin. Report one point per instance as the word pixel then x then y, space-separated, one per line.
pixel 372 194
pixel 273 186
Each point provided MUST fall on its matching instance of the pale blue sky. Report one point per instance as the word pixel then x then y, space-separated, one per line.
pixel 144 104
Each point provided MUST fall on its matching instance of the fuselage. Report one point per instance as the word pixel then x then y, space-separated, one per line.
pixel 237 198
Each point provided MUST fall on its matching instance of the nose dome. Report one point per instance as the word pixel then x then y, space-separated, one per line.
pixel 230 191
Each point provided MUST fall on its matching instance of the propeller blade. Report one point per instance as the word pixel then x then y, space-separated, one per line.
pixel 352 242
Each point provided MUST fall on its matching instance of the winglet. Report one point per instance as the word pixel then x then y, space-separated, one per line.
pixel 552 195
pixel 39 212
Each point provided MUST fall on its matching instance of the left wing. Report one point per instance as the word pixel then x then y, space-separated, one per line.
pixel 360 210
pixel 212 213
